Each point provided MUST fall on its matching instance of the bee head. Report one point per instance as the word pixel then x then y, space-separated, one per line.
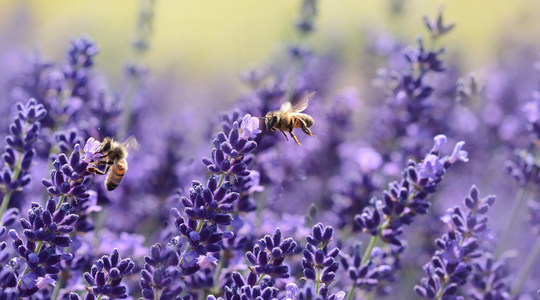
pixel 106 145
pixel 271 120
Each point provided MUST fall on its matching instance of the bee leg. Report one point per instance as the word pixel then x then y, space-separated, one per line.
pixel 294 137
pixel 304 127
pixel 284 134
pixel 102 162
pixel 273 130
pixel 97 171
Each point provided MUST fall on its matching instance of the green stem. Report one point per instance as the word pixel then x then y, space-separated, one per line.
pixel 5 203
pixel 57 287
pixel 216 275
pixel 510 224
pixel 38 248
pixel 221 178
pixel 371 245
pixel 318 281
pixel 441 290
pixel 526 269
pixel 350 293
pixel 157 294
pixel 62 198
pixel 409 199
pixel 259 279
pixel 199 226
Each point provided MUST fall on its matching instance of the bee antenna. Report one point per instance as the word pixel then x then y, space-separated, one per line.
pixel 100 132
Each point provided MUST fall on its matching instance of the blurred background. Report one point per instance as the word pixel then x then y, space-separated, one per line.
pixel 196 41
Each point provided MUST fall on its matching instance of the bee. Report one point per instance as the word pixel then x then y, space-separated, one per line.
pixel 113 157
pixel 289 116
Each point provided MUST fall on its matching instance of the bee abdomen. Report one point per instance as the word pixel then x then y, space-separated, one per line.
pixel 112 185
pixel 116 174
pixel 308 120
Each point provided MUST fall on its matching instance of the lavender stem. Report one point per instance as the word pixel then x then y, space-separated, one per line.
pixel 350 293
pixel 221 178
pixel 318 281
pixel 513 213
pixel 526 269
pixel 372 243
pixel 440 292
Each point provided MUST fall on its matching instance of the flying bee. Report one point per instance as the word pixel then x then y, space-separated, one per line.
pixel 113 157
pixel 289 116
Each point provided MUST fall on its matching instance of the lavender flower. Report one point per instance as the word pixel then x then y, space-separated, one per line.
pixel 436 27
pixel 308 12
pixel 212 203
pixel 105 277
pixel 451 266
pixel 534 216
pixel 318 259
pixel 246 187
pixel 431 168
pixel 458 154
pixel 66 141
pixel 49 225
pixel 365 273
pixel 425 61
pixel 228 154
pixel 250 127
pixel 309 292
pixel 469 89
pixel 19 152
pixel 524 169
pixel 269 254
pixel 227 120
pixel 9 272
pixel 161 273
pixel 68 176
pixel 401 203
pixel 248 289
pixel 81 52
pixel 201 281
pixel 489 278
pixel 40 252
pixel 201 235
pixel 80 57
pixel 440 140
pixel 91 150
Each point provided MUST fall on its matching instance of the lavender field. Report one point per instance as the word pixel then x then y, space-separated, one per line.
pixel 408 174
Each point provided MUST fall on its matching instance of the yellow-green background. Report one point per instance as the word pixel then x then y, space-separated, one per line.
pixel 220 38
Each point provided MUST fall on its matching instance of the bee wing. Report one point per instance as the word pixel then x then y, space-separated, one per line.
pixel 131 144
pixel 285 107
pixel 302 102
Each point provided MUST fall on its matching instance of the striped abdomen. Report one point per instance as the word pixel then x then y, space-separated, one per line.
pixel 116 174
